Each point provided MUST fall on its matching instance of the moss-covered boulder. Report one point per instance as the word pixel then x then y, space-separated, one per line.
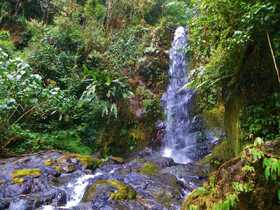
pixel 249 181
pixel 122 191
pixel 69 162
pixel 219 154
pixel 149 169
pixel 19 174
pixel 86 161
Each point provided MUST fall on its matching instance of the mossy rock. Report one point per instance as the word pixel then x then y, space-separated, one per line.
pixel 123 192
pixel 220 154
pixel 18 180
pixel 54 165
pixel 149 169
pixel 86 161
pixel 19 174
pixel 49 162
pixel 165 198
pixel 63 165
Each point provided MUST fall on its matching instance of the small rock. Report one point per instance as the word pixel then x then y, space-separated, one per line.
pixel 117 159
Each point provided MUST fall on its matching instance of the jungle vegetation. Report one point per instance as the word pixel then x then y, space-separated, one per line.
pixel 86 76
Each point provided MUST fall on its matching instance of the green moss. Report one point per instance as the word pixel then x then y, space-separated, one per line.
pixel 232 123
pixel 49 162
pixel 219 155
pixel 149 169
pixel 18 180
pixel 85 160
pixel 88 161
pixel 62 164
pixel 18 175
pixel 26 172
pixel 123 192
pixel 214 118
pixel 53 164
pixel 57 168
pixel 165 199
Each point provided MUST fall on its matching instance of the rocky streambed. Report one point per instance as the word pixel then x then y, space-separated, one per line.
pixel 55 180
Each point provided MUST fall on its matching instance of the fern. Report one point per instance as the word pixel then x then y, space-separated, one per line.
pixel 256 154
pixel 248 169
pixel 200 191
pixel 242 187
pixel 193 207
pixel 271 168
pixel 227 204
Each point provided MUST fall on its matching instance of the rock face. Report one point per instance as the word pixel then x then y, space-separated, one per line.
pixel 53 180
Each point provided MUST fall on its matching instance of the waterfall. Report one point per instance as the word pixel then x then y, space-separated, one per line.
pixel 75 191
pixel 180 141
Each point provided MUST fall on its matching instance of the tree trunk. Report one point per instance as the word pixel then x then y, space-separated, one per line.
pixel 109 4
pixel 232 123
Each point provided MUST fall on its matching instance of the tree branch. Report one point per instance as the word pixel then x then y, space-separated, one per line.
pixel 273 57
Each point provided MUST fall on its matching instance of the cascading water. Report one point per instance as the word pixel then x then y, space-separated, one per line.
pixel 180 142
pixel 75 191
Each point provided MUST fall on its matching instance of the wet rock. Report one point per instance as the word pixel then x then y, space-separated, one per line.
pixel 160 161
pixel 137 181
pixel 98 191
pixel 20 204
pixel 120 190
pixel 158 139
pixel 64 179
pixel 196 124
pixel 57 197
pixel 12 190
pixel 191 175
pixel 149 169
pixel 147 181
pixel 151 204
pixel 31 180
pixel 67 167
pixel 4 204
pixel 145 152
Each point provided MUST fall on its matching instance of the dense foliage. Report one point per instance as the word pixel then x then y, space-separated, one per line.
pixel 250 181
pixel 83 76
pixel 235 56
pixel 86 76
pixel 230 46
